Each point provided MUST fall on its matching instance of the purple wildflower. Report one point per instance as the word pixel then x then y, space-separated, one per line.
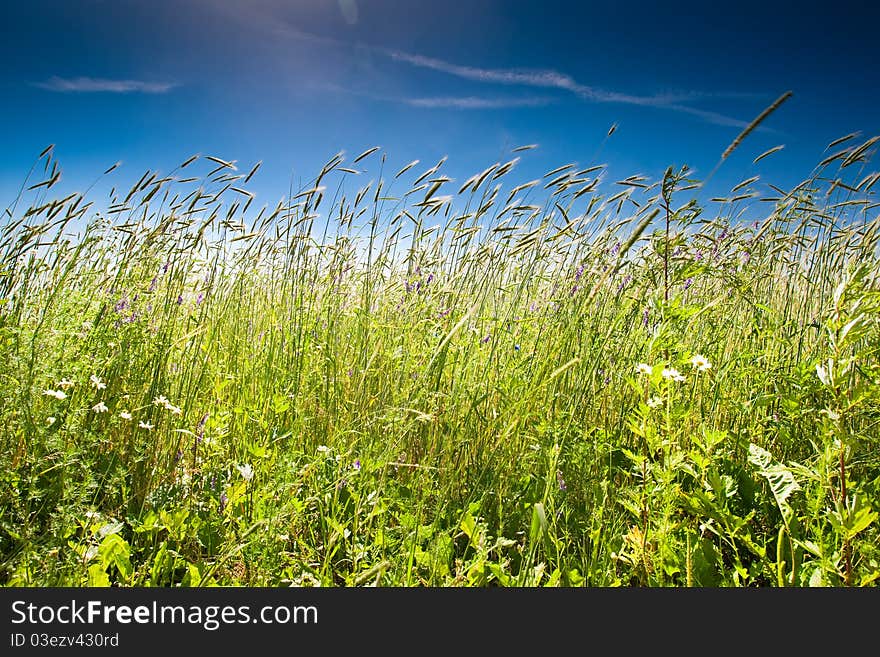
pixel 121 305
pixel 560 480
pixel 165 268
pixel 200 428
pixel 486 339
pixel 430 278
pixel 223 500
pixel 179 299
pixel 153 284
pixel 357 464
pixel 579 273
pixel 645 317
pixel 688 283
pixel 200 298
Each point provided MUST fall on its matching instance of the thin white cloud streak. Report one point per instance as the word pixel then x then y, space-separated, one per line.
pixel 472 102
pixel 439 102
pixel 531 78
pixel 104 85
pixel 557 80
pixel 547 79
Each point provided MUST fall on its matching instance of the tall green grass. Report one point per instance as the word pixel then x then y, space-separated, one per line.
pixel 566 381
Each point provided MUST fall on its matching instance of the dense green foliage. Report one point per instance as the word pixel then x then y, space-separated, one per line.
pixel 537 385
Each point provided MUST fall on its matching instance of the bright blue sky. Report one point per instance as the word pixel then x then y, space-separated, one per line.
pixel 293 82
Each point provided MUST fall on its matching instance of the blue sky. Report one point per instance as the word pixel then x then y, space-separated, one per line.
pixel 293 82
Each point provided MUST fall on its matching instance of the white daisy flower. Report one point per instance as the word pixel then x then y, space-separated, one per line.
pixel 247 472
pixel 145 425
pixel 96 381
pixel 100 407
pixel 655 402
pixel 672 374
pixel 64 384
pixel 644 368
pixel 700 362
pixel 125 415
pixel 57 394
pixel 50 420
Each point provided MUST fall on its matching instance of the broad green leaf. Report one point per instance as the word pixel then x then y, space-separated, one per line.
pixel 539 523
pixel 468 525
pixel 98 576
pixel 781 479
pixel 115 551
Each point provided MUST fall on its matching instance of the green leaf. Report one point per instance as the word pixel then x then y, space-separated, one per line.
pixel 468 525
pixel 98 576
pixel 498 571
pixel 539 523
pixel 781 479
pixel 115 551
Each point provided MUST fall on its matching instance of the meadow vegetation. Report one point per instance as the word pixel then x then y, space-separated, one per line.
pixel 566 381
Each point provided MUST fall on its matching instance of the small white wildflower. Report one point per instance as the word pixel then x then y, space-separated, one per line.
pixel 100 407
pixel 64 384
pixel 96 381
pixel 644 368
pixel 247 472
pixel 672 374
pixel 655 402
pixel 161 400
pixel 175 410
pixel 700 362
pixel 57 394
pixel 323 449
pixel 125 415
pixel 145 425
pixel 50 420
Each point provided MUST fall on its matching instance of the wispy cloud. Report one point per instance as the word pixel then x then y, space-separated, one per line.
pixel 536 78
pixel 438 102
pixel 556 80
pixel 104 85
pixel 472 102
pixel 528 77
